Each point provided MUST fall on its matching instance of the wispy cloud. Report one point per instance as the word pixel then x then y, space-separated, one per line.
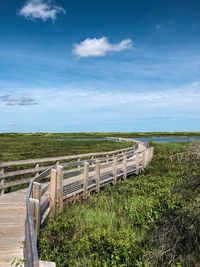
pixel 86 106
pixel 100 47
pixel 40 9
pixel 17 100
pixel 159 27
pixel 11 124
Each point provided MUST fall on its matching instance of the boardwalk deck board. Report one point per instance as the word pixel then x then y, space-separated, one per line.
pixel 12 218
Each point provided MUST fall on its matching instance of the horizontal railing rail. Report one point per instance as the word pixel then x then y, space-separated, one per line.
pixel 21 172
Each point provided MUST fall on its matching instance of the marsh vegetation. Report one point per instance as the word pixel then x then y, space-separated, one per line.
pixel 150 220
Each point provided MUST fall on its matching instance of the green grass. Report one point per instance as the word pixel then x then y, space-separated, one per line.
pixel 145 221
pixel 26 146
pixel 99 134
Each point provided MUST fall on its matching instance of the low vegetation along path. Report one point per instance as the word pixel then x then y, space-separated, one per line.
pixel 13 210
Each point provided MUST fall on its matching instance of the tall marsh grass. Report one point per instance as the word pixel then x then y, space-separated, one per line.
pixel 124 225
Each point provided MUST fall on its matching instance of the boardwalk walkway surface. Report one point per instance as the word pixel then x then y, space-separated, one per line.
pixel 13 208
pixel 12 219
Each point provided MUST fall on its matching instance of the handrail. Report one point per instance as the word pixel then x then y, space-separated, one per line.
pixel 40 160
pixel 25 174
pixel 47 197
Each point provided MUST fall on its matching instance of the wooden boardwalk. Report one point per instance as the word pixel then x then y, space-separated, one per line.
pixel 13 207
pixel 12 222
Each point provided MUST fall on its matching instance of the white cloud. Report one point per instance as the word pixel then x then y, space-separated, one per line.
pixel 11 100
pixel 100 47
pixel 40 9
pixel 11 124
pixel 81 105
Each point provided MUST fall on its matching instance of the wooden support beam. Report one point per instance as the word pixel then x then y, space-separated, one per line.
pixel 92 163
pixel 137 162
pixel 97 175
pixel 79 164
pixel 53 192
pixel 85 180
pixel 36 191
pixel 60 188
pixel 114 169
pixel 37 166
pixel 107 158
pixel 125 167
pixel 36 194
pixel 35 207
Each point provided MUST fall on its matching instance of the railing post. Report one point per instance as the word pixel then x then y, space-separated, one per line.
pixel 79 164
pixel 92 163
pixel 36 191
pixel 60 188
pixel 1 181
pixel 137 163
pixel 36 194
pixel 37 169
pixel 53 191
pixel 97 175
pixel 107 158
pixel 114 170
pixel 85 180
pixel 125 167
pixel 35 207
pixel 143 160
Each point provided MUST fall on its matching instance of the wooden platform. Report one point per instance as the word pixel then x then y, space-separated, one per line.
pixel 12 221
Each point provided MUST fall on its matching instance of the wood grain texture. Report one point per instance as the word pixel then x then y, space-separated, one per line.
pixel 12 225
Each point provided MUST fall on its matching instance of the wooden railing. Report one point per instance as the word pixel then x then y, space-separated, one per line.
pixel 21 172
pixel 79 180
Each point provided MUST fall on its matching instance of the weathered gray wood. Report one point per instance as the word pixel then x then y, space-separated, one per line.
pixel 36 191
pixel 21 172
pixel 53 191
pixel 54 159
pixel 37 168
pixel 85 181
pixel 137 162
pixel 35 206
pixel 143 160
pixel 79 164
pixel 60 188
pixel 17 182
pixel 1 181
pixel 107 158
pixel 97 175
pixel 114 170
pixel 36 194
pixel 125 167
pixel 92 160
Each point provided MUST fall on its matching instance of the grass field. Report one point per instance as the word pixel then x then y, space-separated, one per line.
pixel 149 220
pixel 26 146
pixel 98 134
pixel 16 146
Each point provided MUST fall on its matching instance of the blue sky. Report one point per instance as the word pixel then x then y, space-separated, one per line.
pixel 99 65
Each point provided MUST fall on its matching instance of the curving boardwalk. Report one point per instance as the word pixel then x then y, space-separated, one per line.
pixel 16 243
